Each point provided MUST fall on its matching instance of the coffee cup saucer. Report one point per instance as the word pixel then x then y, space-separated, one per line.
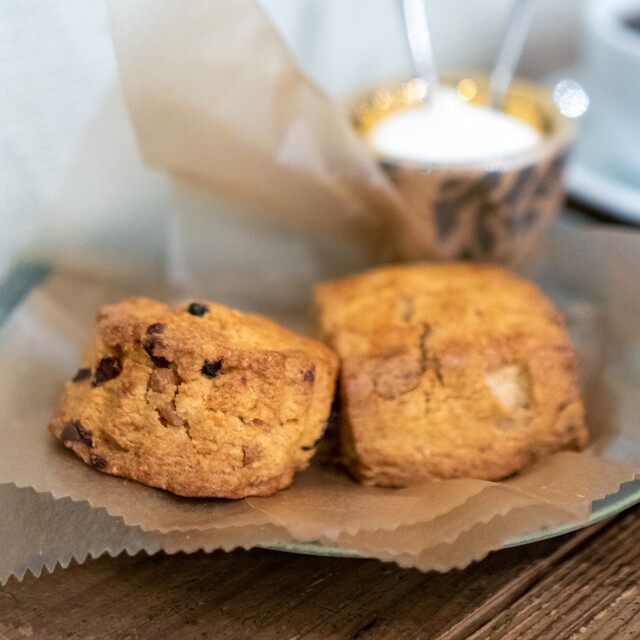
pixel 597 186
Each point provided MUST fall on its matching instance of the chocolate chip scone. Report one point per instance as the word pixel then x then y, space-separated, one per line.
pixel 449 371
pixel 197 399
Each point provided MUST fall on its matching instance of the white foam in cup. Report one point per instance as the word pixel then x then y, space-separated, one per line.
pixel 611 67
pixel 447 130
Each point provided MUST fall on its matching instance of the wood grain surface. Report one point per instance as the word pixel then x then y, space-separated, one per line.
pixel 583 585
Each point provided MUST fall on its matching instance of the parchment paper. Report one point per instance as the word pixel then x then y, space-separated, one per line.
pixel 591 274
pixel 259 131
pixel 272 185
pixel 320 207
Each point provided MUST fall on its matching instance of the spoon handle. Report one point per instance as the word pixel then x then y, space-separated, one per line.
pixel 420 45
pixel 511 50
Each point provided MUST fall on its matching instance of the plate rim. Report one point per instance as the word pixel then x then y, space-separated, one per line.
pixel 611 505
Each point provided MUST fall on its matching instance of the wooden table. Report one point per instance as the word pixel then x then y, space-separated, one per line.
pixel 584 585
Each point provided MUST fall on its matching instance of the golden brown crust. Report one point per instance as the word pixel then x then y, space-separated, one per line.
pixel 197 399
pixel 449 371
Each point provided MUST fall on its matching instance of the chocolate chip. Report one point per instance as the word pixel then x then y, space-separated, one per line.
pixel 97 462
pixel 74 432
pixel 251 453
pixel 169 414
pixel 81 374
pixel 310 375
pixel 107 369
pixel 157 360
pixel 157 327
pixel 211 369
pixel 197 309
pixel 161 379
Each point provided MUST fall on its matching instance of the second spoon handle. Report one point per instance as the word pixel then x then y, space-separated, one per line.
pixel 511 50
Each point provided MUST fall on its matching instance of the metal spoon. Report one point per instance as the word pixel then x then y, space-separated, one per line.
pixel 511 50
pixel 419 37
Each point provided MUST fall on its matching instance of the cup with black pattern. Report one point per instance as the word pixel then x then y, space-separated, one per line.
pixel 496 209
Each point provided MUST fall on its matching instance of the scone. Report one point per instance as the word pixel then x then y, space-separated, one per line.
pixel 449 371
pixel 197 399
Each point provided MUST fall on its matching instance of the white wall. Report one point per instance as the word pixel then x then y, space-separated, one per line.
pixel 345 44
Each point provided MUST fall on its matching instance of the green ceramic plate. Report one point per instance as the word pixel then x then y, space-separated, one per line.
pixel 627 496
pixel 24 277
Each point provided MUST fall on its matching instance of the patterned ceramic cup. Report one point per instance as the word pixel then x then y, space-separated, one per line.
pixel 495 210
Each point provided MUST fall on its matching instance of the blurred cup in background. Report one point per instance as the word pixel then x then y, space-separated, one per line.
pixel 611 73
pixel 494 207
